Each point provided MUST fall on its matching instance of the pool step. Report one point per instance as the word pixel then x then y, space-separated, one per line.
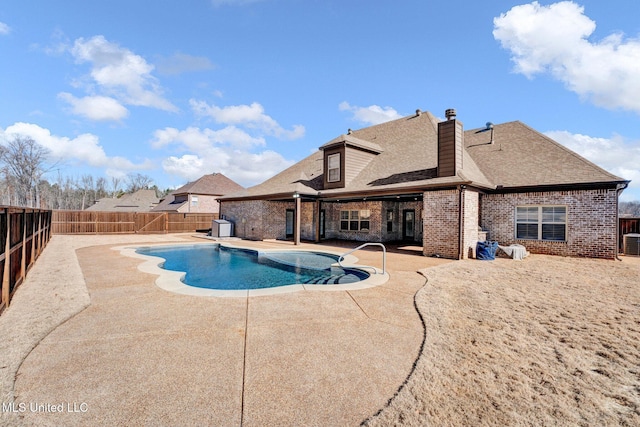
pixel 334 279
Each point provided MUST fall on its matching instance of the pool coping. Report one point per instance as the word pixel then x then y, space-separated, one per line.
pixel 171 281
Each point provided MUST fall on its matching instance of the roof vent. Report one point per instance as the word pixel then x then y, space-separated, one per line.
pixel 450 113
pixel 490 127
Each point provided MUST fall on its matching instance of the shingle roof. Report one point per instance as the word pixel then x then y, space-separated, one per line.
pixel 519 157
pixel 215 184
pixel 140 201
pixel 169 204
pixel 353 141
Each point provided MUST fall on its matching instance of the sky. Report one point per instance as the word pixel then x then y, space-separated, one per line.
pixel 177 89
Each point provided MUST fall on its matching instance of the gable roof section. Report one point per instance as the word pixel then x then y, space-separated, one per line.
pixel 352 141
pixel 215 184
pixel 169 204
pixel 523 157
pixel 407 162
pixel 140 201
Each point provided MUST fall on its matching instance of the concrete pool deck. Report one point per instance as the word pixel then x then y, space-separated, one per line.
pixel 90 334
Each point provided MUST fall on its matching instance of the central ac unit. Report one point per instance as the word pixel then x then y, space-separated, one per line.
pixel 631 244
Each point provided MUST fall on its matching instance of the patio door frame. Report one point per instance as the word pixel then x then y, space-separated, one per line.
pixel 405 222
pixel 290 223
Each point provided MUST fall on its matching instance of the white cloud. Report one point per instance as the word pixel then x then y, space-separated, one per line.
pixel 199 140
pixel 232 149
pixel 371 115
pixel 250 116
pixel 614 154
pixel 83 149
pixel 59 44
pixel 554 39
pixel 4 28
pixel 98 108
pixel 209 150
pixel 118 73
pixel 182 63
pixel 189 166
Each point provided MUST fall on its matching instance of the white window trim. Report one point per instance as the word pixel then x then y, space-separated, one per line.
pixel 540 223
pixel 338 168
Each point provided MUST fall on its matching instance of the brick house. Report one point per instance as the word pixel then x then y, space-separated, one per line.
pixel 199 196
pixel 429 182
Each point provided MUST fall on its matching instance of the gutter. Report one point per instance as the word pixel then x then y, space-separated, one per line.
pixel 559 187
pixel 330 195
pixel 619 190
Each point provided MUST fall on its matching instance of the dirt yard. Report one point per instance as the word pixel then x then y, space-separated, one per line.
pixel 543 341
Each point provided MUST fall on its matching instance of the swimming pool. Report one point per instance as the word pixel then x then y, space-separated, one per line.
pixel 212 266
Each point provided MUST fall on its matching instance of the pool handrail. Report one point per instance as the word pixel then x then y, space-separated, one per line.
pixel 384 256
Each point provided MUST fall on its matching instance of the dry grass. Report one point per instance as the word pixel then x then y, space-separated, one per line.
pixel 544 341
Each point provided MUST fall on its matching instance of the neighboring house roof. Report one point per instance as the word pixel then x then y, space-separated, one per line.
pixel 140 201
pixel 407 160
pixel 215 184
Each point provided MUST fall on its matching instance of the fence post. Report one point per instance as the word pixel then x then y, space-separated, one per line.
pixel 33 238
pixel 23 263
pixel 39 245
pixel 6 274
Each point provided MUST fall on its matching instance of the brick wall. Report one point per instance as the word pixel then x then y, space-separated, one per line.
pixel 265 219
pixel 308 218
pixel 332 221
pixel 247 218
pixel 205 204
pixel 440 219
pixel 591 221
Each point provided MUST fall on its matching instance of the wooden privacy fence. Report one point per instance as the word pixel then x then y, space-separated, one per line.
pixel 90 222
pixel 628 226
pixel 24 232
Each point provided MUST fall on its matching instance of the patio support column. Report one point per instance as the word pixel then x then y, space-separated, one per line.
pixel 296 228
pixel 318 209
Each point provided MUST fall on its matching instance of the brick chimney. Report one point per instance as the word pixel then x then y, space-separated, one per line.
pixel 450 145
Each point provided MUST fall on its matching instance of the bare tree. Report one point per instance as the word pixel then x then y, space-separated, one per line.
pixel 101 188
pixel 629 209
pixel 87 189
pixel 137 182
pixel 23 160
pixel 115 185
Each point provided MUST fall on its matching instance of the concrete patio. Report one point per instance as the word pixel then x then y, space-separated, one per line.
pixel 90 334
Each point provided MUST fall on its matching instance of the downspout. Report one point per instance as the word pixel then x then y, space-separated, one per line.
pixel 618 191
pixel 460 221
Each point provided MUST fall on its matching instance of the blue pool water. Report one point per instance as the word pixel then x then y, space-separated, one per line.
pixel 219 267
